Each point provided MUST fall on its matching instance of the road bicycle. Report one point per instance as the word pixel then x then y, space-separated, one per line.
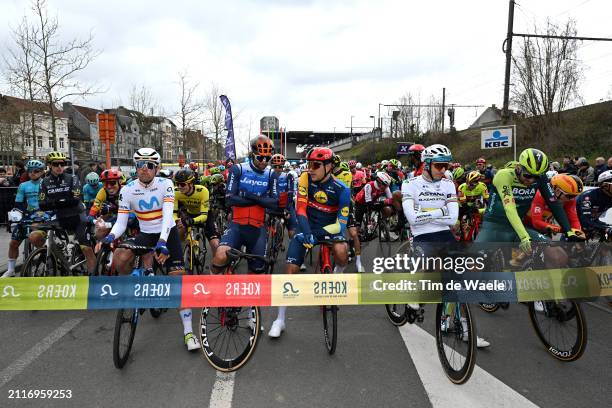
pixel 275 226
pixel 328 312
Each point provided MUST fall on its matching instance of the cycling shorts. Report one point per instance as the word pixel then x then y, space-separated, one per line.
pixel 253 238
pixel 297 251
pixel 360 210
pixel 210 229
pixel 77 224
pixel 175 261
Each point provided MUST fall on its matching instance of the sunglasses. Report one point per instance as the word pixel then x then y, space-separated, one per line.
pixel 440 166
pixel 529 176
pixel 111 183
pixel 58 164
pixel 263 158
pixel 142 164
pixel 182 184
pixel 314 165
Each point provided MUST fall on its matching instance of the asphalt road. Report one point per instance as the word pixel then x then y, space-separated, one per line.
pixel 375 365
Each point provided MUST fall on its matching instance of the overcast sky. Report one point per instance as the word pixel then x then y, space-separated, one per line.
pixel 314 64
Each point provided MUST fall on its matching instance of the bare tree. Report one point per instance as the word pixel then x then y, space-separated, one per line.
pixel 142 100
pixel 214 117
pixel 433 115
pixel 60 62
pixel 190 108
pixel 21 72
pixel 409 119
pixel 547 74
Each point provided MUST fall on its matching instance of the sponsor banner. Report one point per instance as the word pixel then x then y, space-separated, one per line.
pixel 225 290
pixel 315 289
pixel 574 283
pixel 496 138
pixel 479 287
pixel 53 293
pixel 122 292
pixel 393 288
pixel 402 148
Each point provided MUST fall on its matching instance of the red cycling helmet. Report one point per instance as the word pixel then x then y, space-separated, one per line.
pixel 111 174
pixel 352 163
pixel 481 161
pixel 416 148
pixel 193 166
pixel 322 154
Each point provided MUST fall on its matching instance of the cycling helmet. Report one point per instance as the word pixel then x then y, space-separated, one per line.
pixel 582 161
pixel 551 173
pixel 384 163
pixel 336 160
pixel 110 174
pixel 359 166
pixel 221 167
pixel 34 165
pixel 352 163
pixel 481 161
pixel 147 154
pixel 133 173
pixel 277 160
pixel 473 177
pixel 214 170
pixel 448 174
pixel 287 166
pixel 344 166
pixel 193 166
pixel 416 148
pixel 455 165
pixel 569 184
pixel 604 177
pixel 395 163
pixel 511 164
pixel 92 178
pixel 383 178
pixel 216 179
pixel 458 173
pixel 56 156
pixel 166 173
pixel 322 154
pixel 185 176
pixel 262 146
pixel 123 180
pixel 533 161
pixel 437 153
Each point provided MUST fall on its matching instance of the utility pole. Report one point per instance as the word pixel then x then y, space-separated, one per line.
pixel 507 48
pixel 443 102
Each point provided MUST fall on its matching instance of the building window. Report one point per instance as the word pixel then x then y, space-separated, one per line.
pixel 61 142
pixel 51 142
pixel 39 143
pixel 28 142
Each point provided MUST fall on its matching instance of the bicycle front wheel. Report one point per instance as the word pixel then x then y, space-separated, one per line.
pixel 456 340
pixel 125 329
pixel 397 314
pixel 36 264
pixel 229 335
pixel 561 327
pixel 330 327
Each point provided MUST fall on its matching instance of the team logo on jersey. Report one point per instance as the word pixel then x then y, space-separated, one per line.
pixel 321 197
pixel 302 190
pixel 143 205
pixel 344 211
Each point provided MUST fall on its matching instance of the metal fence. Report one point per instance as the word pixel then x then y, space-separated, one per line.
pixel 7 202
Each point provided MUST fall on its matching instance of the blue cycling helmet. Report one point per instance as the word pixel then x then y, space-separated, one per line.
pixel 92 178
pixel 34 165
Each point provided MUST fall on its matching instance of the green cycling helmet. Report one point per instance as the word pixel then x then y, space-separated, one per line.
pixel 214 170
pixel 344 166
pixel 511 164
pixel 216 179
pixel 533 161
pixel 395 163
pixel 56 156
pixel 458 173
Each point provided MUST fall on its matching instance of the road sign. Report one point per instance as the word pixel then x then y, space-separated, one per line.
pixel 496 138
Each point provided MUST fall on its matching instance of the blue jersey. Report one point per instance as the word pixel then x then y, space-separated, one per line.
pixel 591 205
pixel 90 192
pixel 27 195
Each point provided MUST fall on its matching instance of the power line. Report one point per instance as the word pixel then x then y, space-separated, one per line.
pixel 572 8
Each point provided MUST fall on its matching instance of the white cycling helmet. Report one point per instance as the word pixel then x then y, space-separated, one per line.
pixel 358 166
pixel 606 176
pixel 551 173
pixel 148 154
pixel 449 175
pixel 437 153
pixel 383 178
pixel 384 163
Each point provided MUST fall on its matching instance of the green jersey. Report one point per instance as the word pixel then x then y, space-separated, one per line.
pixel 510 201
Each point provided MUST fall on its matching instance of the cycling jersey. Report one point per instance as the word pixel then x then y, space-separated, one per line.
pixel 511 200
pixel 397 177
pixel 104 203
pixel 591 205
pixel 468 197
pixel 418 171
pixel 322 208
pixel 195 204
pixel 358 179
pixel 285 189
pixel 153 204
pixel 90 192
pixel 369 194
pixel 61 194
pixel 27 195
pixel 346 177
pixel 249 192
pixel 539 215
pixel 429 206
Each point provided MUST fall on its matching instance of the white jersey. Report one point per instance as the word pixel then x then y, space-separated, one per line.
pixel 153 204
pixel 429 206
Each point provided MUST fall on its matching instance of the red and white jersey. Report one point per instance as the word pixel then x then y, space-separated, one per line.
pixel 369 193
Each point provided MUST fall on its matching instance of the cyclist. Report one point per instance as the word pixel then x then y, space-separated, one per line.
pixel 133 175
pixel 106 204
pixel 26 203
pixel 91 189
pixel 322 211
pixel 358 177
pixel 414 159
pixel 61 193
pixel 152 199
pixel 251 189
pixel 166 173
pixel 593 203
pixel 513 193
pixel 566 187
pixel 342 172
pixel 473 194
pixel 459 176
pixel 285 183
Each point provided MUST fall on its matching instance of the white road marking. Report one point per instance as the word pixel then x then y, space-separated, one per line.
pixel 481 390
pixel 32 354
pixel 223 390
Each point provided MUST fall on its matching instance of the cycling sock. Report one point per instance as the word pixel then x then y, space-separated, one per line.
pixel 281 313
pixel 358 258
pixel 186 318
pixel 11 265
pixel 339 269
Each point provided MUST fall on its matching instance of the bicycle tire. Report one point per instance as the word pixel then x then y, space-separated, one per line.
pixel 330 327
pixel 36 260
pixel 214 354
pixel 397 314
pixel 187 257
pixel 571 352
pixel 489 307
pixel 125 325
pixel 455 333
pixel 102 260
pixel 158 270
